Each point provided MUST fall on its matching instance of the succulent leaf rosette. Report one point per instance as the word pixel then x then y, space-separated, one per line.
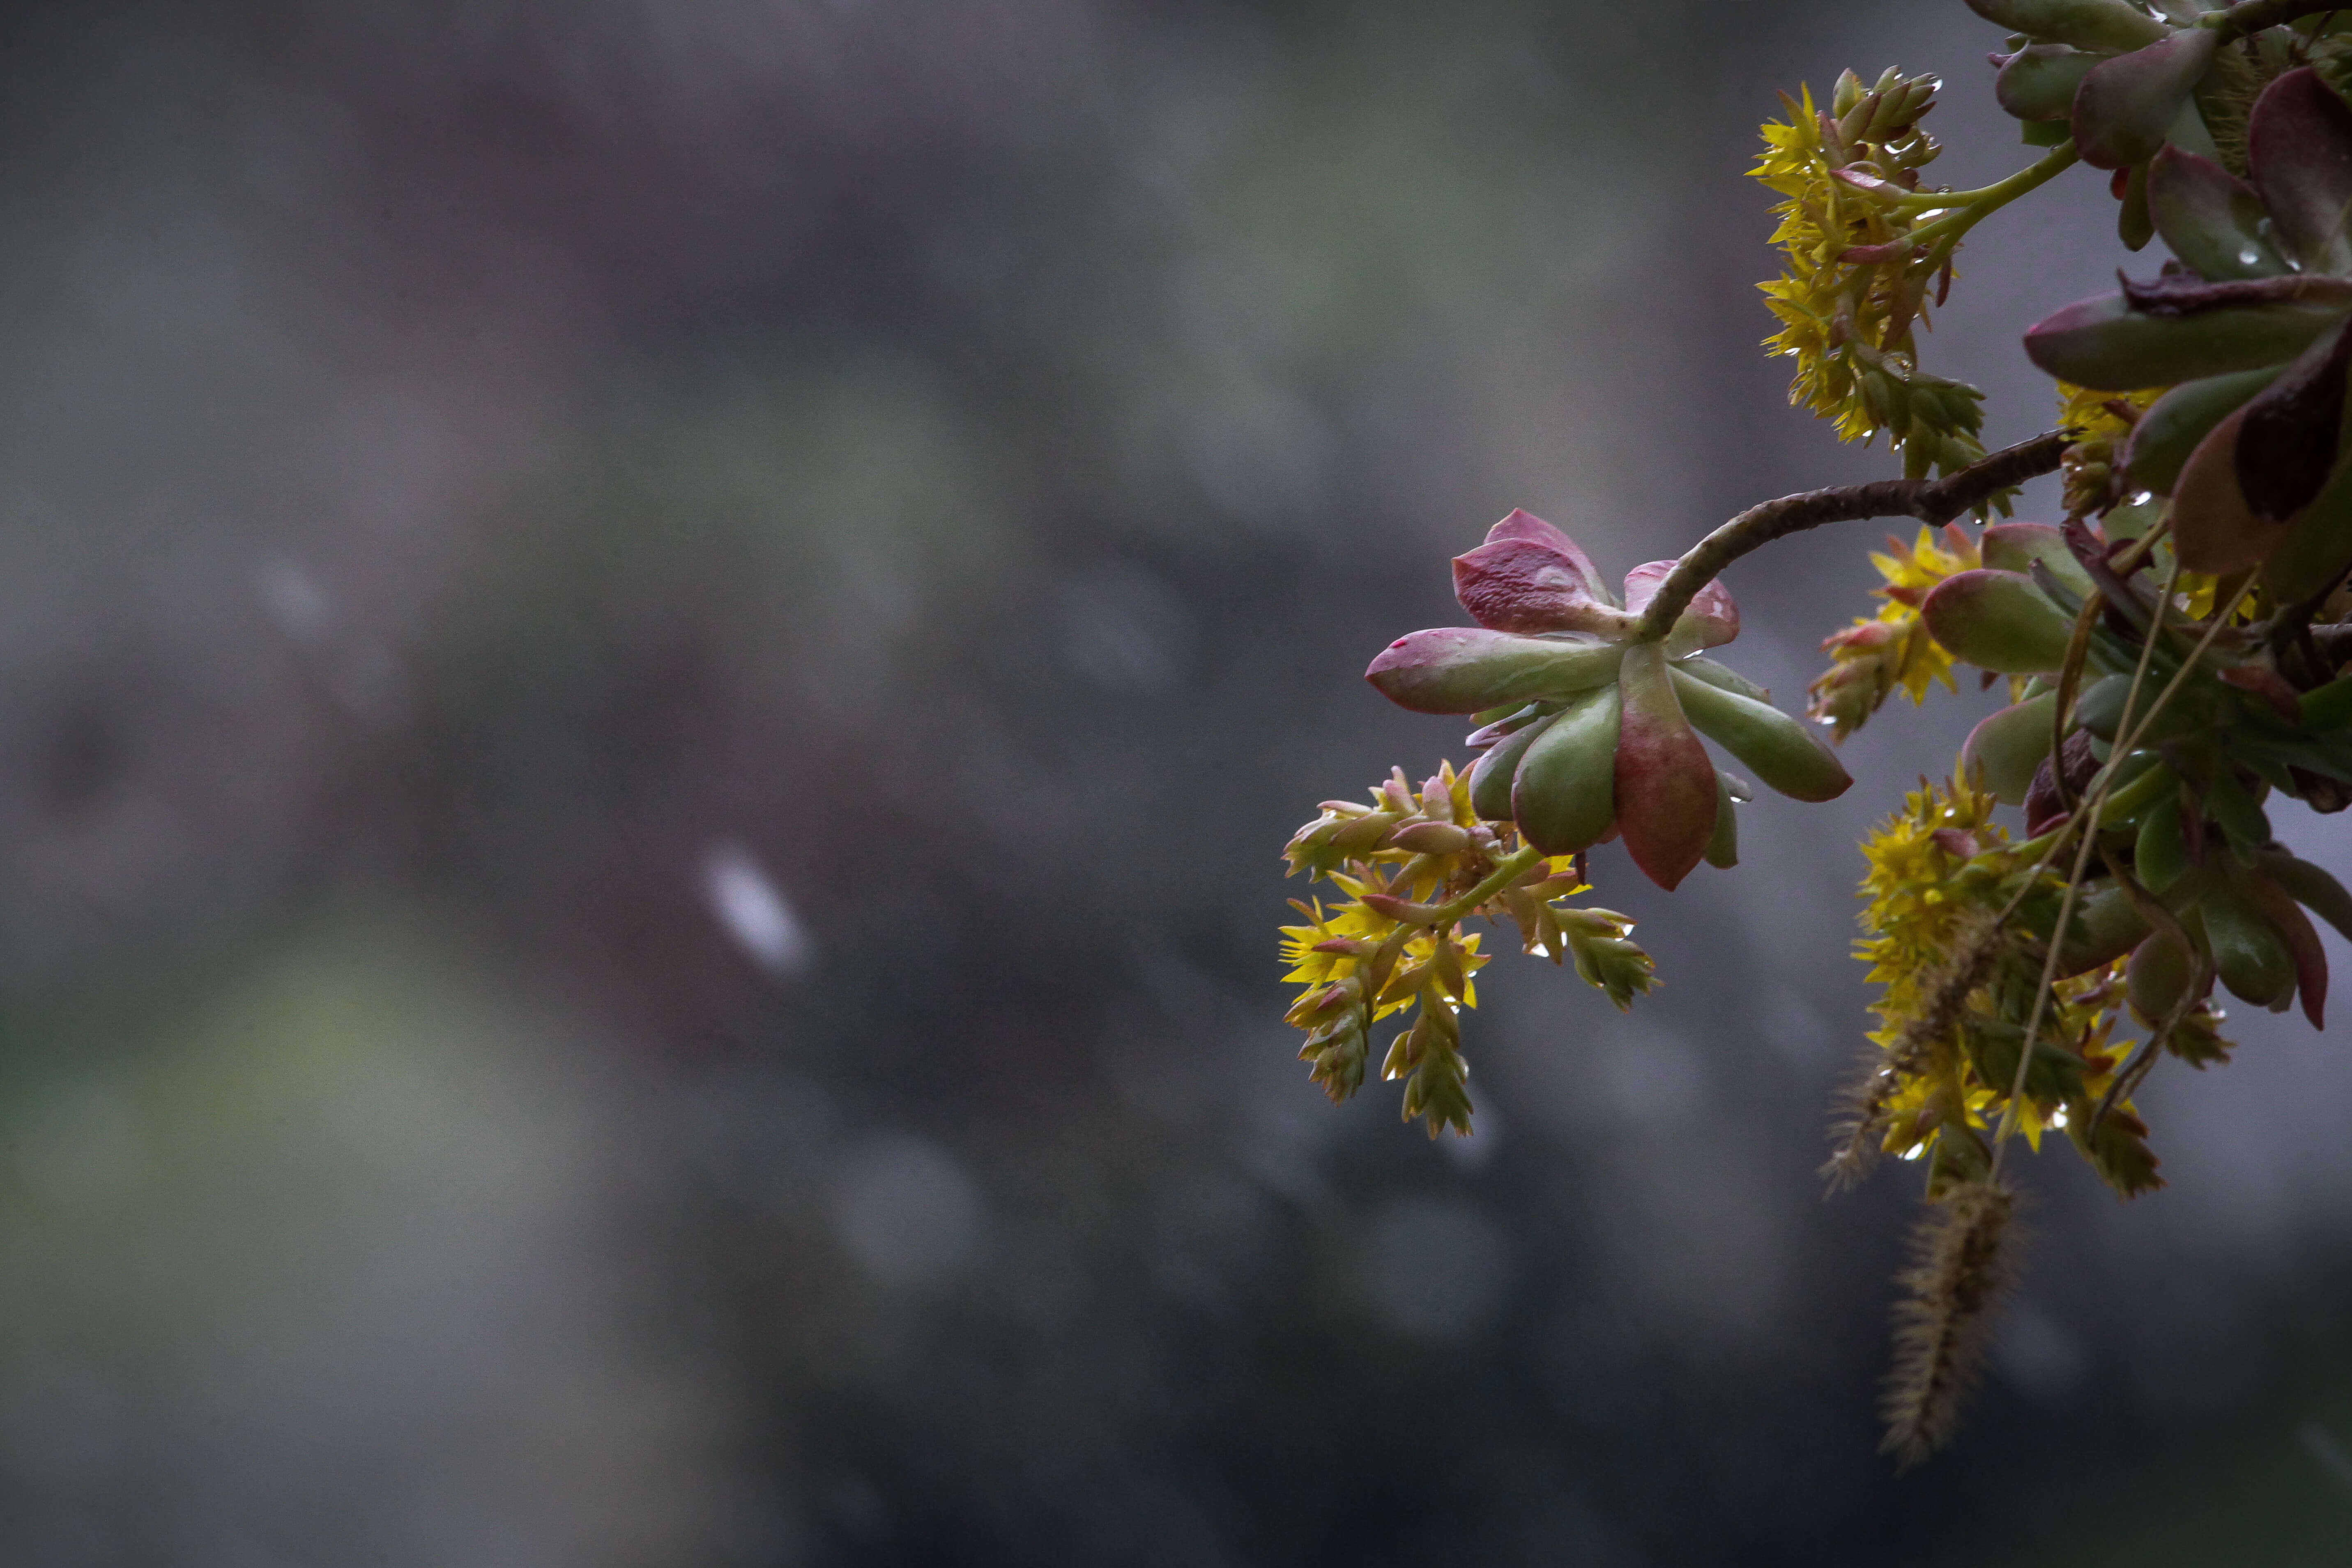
pixel 2060 913
pixel 2246 326
pixel 1590 733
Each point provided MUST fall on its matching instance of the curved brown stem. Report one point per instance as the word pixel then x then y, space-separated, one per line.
pixel 1932 501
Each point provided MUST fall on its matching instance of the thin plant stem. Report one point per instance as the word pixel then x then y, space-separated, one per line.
pixel 1946 231
pixel 1507 871
pixel 2087 817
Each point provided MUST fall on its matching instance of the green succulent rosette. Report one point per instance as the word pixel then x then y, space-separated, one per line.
pixel 1592 734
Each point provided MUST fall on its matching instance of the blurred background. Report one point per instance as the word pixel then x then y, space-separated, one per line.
pixel 653 656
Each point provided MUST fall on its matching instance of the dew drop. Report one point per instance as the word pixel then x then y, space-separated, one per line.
pixel 2249 256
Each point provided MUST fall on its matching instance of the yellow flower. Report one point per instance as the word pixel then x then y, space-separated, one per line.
pixel 1916 900
pixel 1878 655
pixel 1851 287
pixel 2102 423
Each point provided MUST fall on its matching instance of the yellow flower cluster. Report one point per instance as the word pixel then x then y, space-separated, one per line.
pixel 1851 284
pixel 1954 995
pixel 1819 311
pixel 1878 655
pixel 2102 423
pixel 1931 866
pixel 1411 867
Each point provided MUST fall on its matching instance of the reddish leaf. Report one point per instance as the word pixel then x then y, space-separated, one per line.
pixel 1711 621
pixel 1665 787
pixel 2299 150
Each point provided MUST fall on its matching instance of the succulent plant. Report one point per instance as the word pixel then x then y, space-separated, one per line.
pixel 2246 326
pixel 2178 651
pixel 1590 733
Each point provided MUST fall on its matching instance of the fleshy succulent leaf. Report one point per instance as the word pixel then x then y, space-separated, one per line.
pixel 1465 669
pixel 1785 754
pixel 2290 431
pixel 2105 343
pixel 1563 793
pixel 2174 424
pixel 2214 527
pixel 1517 585
pixel 2125 104
pixel 1711 621
pixel 2299 156
pixel 1526 526
pixel 2085 24
pixel 2212 219
pixel 2039 81
pixel 1665 786
pixel 2005 748
pixel 1998 621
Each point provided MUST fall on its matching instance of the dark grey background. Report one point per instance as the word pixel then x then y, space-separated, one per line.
pixel 653 654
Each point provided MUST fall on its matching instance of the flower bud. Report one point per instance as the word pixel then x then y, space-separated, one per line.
pixel 1430 839
pixel 1845 94
pixel 1998 621
pixel 1365 834
pixel 1405 909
